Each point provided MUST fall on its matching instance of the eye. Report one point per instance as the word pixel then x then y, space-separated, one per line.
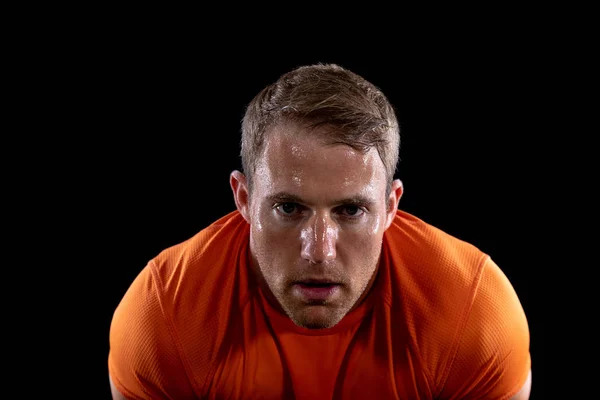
pixel 352 211
pixel 287 208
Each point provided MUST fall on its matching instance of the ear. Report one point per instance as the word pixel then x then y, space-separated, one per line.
pixel 393 200
pixel 241 196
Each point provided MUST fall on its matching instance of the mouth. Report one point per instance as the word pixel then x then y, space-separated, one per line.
pixel 311 290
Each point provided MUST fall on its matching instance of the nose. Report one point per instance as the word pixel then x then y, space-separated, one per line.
pixel 319 239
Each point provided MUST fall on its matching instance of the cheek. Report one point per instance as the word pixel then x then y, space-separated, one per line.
pixel 361 247
pixel 273 245
pixel 365 235
pixel 376 226
pixel 267 231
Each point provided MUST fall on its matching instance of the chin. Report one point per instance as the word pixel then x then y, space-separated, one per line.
pixel 317 317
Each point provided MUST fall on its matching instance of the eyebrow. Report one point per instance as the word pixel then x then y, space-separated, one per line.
pixel 284 197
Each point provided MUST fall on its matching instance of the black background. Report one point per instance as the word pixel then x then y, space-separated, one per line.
pixel 158 102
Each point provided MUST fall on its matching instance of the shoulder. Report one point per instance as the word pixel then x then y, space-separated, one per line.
pixel 186 276
pixel 430 269
pixel 414 239
pixel 462 313
pixel 204 279
pixel 199 262
pixel 491 346
pixel 167 321
pixel 142 345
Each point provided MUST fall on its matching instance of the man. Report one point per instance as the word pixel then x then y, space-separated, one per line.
pixel 318 286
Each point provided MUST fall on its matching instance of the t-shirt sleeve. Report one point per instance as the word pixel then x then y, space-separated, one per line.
pixel 492 360
pixel 143 360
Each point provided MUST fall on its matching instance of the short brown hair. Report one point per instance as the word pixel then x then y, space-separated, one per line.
pixel 329 95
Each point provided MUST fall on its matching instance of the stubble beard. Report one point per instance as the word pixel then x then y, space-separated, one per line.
pixel 319 314
pixel 315 315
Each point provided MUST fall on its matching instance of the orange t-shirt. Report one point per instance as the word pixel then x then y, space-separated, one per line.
pixel 441 321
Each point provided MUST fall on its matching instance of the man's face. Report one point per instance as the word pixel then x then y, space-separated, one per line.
pixel 317 213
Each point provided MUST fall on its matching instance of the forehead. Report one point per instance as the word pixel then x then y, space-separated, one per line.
pixel 302 163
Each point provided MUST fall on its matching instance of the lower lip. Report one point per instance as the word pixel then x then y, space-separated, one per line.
pixel 316 292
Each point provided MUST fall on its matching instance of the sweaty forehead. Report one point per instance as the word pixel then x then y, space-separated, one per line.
pixel 299 161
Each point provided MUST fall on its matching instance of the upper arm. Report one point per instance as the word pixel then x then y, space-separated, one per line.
pixel 525 391
pixel 116 395
pixel 143 359
pixel 492 358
